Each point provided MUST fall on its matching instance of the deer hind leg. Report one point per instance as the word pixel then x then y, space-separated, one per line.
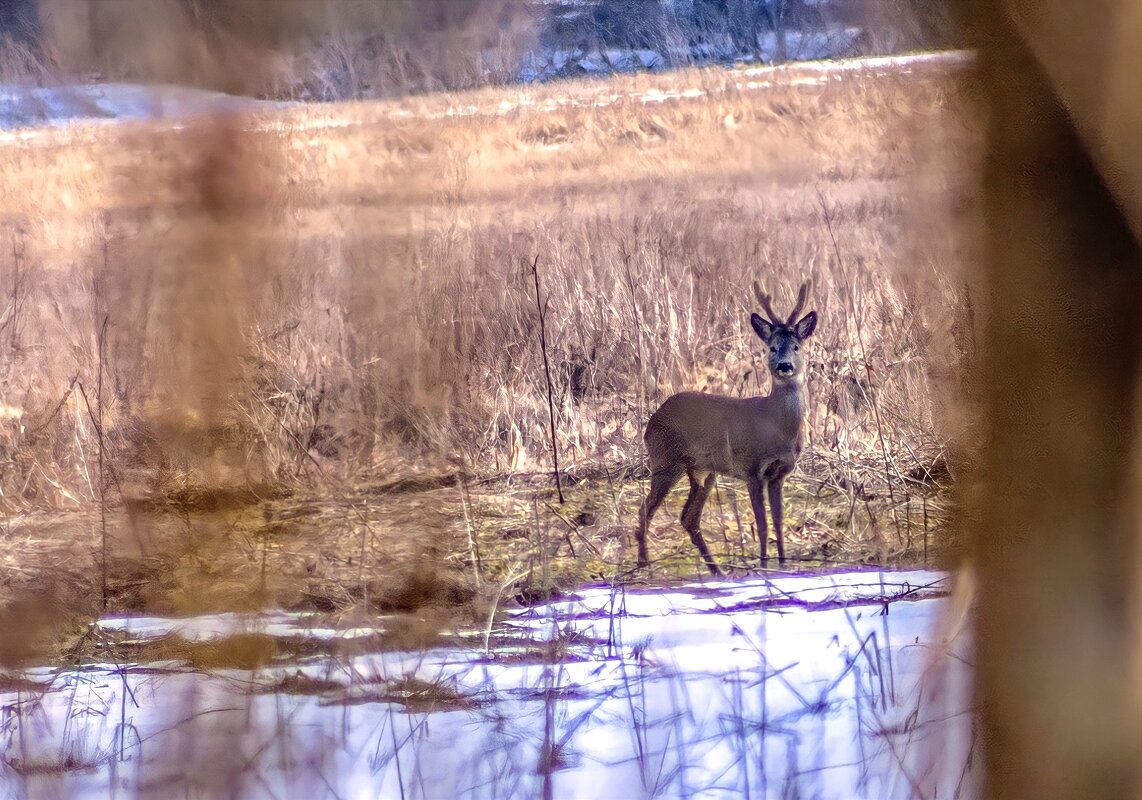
pixel 699 491
pixel 692 516
pixel 662 480
pixel 778 516
pixel 757 500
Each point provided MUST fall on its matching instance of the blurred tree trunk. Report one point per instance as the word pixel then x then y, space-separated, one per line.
pixel 1057 540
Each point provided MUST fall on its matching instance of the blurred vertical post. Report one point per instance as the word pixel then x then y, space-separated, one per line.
pixel 1057 537
pixel 227 192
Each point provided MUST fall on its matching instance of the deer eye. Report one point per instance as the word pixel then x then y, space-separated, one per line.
pixel 796 347
pixel 773 349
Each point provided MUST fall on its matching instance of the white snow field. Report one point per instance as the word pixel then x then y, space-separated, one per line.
pixel 830 686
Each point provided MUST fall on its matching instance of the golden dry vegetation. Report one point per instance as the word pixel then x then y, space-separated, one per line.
pixel 290 356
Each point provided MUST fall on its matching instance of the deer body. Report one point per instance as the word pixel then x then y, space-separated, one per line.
pixel 755 439
pixel 739 437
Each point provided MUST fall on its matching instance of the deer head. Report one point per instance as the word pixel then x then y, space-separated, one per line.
pixel 784 337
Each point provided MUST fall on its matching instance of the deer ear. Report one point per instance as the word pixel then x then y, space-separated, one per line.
pixel 762 327
pixel 806 325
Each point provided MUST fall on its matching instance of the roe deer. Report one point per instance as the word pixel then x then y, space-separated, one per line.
pixel 757 439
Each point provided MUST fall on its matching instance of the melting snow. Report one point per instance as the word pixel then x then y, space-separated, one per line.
pixel 833 686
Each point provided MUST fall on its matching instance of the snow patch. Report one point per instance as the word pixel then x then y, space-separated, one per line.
pixel 831 686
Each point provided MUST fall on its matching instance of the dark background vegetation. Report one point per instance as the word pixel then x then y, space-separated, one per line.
pixel 342 49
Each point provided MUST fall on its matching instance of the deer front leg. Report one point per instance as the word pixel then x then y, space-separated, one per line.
pixel 757 500
pixel 778 517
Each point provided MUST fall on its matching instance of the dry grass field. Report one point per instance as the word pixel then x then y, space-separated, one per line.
pixel 291 357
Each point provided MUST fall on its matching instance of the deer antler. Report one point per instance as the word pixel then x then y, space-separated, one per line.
pixel 765 301
pixel 802 296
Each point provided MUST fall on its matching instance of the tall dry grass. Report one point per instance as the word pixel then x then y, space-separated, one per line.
pixel 332 298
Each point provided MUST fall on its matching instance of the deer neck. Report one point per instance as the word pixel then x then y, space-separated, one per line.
pixel 790 397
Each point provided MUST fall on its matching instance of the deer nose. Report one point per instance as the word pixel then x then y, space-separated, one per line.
pixel 785 368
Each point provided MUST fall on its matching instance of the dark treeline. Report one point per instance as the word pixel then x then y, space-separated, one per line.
pixel 341 49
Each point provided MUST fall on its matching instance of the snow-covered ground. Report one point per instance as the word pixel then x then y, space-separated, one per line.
pixel 832 686
pixel 31 106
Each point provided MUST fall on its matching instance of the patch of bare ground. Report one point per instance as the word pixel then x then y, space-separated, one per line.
pixel 293 355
